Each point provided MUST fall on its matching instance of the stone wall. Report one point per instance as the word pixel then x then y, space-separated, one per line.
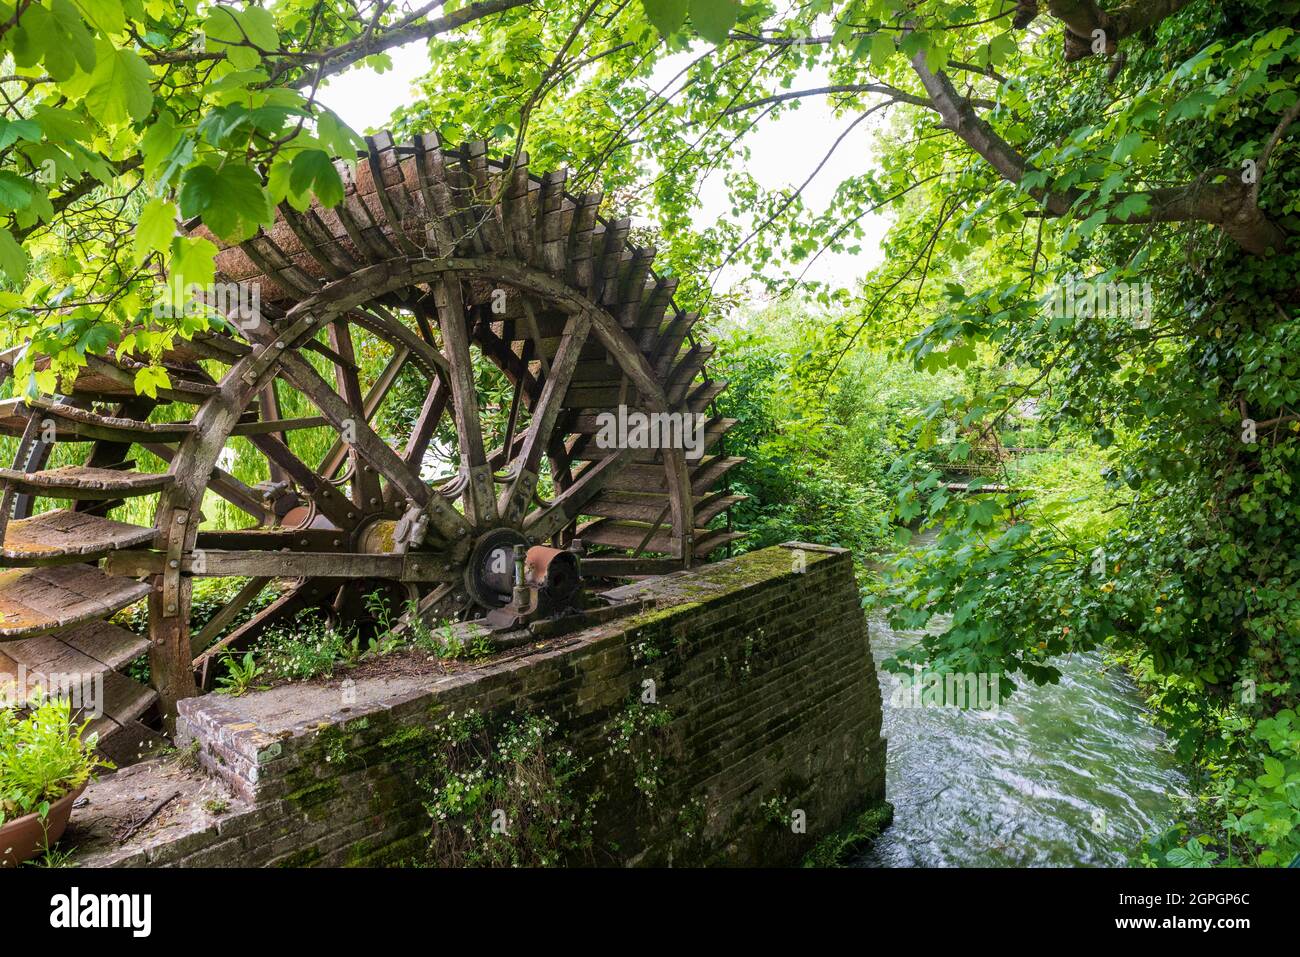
pixel 736 720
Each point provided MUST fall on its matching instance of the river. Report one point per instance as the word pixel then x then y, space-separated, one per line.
pixel 1070 774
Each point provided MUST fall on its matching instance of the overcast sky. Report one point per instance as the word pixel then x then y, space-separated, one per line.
pixel 783 151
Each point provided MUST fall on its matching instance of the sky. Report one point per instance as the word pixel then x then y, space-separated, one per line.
pixel 783 152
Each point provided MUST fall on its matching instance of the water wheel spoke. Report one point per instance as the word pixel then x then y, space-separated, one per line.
pixel 223 484
pixel 366 492
pixel 269 402
pixel 297 598
pixel 371 447
pixel 568 505
pixel 426 424
pixel 479 496
pixel 519 492
pixel 228 613
pixel 514 366
pixel 396 332
pixel 334 458
pixel 328 501
pixel 437 603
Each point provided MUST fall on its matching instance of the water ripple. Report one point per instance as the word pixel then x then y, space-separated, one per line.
pixel 1063 775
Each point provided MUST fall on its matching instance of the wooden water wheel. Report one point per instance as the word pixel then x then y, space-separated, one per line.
pixel 443 264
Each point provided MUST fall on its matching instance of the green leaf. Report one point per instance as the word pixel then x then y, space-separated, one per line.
pixel 150 379
pixel 882 48
pixel 13 130
pixel 983 512
pixel 337 136
pixel 313 169
pixel 231 200
pixel 1124 148
pixel 13 259
pixel 240 34
pixel 1089 225
pixel 193 264
pixel 119 88
pixel 15 192
pixel 158 141
pixel 259 24
pixel 1001 47
pixel 76 38
pixel 155 230
pixel 60 125
pixel 714 18
pixel 1136 205
pixel 666 15
pixel 106 16
pixel 35 35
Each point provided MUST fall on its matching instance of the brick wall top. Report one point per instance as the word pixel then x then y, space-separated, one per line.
pixel 253 732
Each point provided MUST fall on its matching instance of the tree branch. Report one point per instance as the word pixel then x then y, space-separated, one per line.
pixel 883 88
pixel 344 55
pixel 76 192
pixel 1083 17
pixel 1229 205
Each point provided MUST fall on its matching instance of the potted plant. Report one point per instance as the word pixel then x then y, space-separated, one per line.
pixel 46 761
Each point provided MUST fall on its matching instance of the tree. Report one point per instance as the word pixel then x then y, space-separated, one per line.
pixel 121 116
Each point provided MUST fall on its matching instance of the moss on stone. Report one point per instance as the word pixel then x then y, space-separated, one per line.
pixel 851 840
pixel 304 858
pixel 314 794
pixel 411 734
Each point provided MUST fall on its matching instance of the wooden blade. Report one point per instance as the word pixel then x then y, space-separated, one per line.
pixel 514 501
pixel 568 505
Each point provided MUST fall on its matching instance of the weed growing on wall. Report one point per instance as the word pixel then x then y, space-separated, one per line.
pixel 635 739
pixel 506 796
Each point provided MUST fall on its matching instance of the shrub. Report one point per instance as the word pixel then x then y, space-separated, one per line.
pixel 43 757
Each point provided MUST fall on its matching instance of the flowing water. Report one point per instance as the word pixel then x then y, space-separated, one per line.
pixel 1063 775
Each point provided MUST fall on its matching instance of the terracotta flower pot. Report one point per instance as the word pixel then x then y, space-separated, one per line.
pixel 23 838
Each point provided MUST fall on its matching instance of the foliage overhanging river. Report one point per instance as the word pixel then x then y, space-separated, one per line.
pixel 1070 774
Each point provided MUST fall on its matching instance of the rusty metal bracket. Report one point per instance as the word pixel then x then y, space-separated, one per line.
pixel 171 577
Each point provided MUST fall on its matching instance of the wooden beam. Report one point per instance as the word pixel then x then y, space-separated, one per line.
pixel 544 523
pixel 480 498
pixel 515 499
pixel 220 563
pixel 227 613
pixel 335 457
pixel 366 492
pixel 450 523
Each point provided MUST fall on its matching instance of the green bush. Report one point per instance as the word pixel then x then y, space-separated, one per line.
pixel 817 454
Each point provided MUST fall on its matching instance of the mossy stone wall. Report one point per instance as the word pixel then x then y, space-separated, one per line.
pixel 736 722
